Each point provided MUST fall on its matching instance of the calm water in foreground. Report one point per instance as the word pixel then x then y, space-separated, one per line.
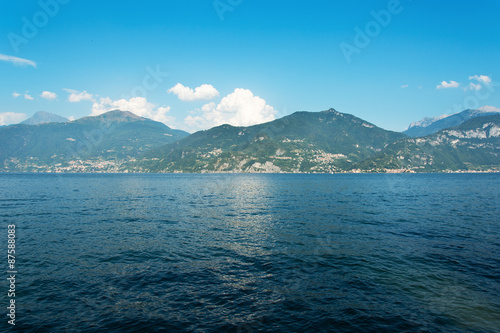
pixel 253 253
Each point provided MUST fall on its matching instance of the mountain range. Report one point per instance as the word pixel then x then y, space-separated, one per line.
pixel 101 143
pixel 327 141
pixel 432 125
pixel 472 145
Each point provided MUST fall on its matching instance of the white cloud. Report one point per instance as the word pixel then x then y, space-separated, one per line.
pixel 49 95
pixel 16 94
pixel 474 86
pixel 203 92
pixel 404 86
pixel 8 118
pixel 481 78
pixel 76 96
pixel 446 85
pixel 240 108
pixel 17 61
pixel 28 97
pixel 137 105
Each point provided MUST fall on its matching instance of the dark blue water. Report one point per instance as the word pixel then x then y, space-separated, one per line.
pixel 254 253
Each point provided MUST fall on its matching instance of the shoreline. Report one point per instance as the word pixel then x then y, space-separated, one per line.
pixel 264 173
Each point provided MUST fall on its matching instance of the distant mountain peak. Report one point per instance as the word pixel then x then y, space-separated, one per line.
pixel 428 126
pixel 114 116
pixel 43 117
pixel 426 121
pixel 488 108
pixel 119 113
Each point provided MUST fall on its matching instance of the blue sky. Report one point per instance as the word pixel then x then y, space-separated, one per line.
pixel 252 60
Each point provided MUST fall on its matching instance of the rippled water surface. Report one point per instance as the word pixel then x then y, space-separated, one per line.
pixel 254 253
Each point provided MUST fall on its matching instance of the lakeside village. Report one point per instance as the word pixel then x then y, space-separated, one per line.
pixel 101 165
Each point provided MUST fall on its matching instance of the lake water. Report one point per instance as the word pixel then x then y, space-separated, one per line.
pixel 253 253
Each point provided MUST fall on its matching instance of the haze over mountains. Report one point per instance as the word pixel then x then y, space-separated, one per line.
pixel 327 141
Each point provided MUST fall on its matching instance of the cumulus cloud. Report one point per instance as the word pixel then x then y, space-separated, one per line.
pixel 76 96
pixel 404 86
pixel 137 105
pixel 8 118
pixel 49 95
pixel 28 96
pixel 16 94
pixel 474 86
pixel 17 61
pixel 481 78
pixel 240 108
pixel 203 92
pixel 447 85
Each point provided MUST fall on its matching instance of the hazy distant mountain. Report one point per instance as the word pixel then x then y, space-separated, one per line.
pixel 302 142
pixel 102 143
pixel 473 145
pixel 42 117
pixel 426 121
pixel 431 125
